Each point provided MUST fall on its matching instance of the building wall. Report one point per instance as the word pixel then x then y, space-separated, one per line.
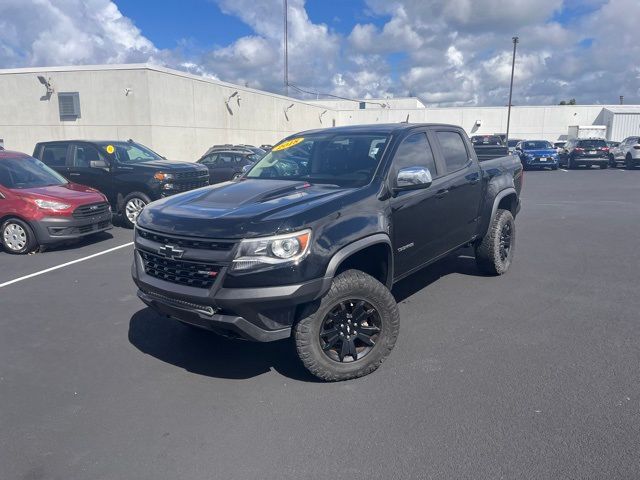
pixel 545 123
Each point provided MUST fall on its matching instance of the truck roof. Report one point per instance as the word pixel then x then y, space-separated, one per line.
pixel 380 128
pixel 12 154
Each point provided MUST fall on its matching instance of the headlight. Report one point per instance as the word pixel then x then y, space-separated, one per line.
pixel 51 205
pixel 277 250
pixel 161 176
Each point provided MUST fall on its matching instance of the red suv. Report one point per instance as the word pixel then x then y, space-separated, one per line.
pixel 40 207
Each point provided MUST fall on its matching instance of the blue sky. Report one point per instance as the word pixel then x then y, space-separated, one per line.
pixel 447 52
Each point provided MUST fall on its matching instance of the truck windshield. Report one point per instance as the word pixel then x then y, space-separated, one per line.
pixel 129 152
pixel 325 158
pixel 537 145
pixel 27 172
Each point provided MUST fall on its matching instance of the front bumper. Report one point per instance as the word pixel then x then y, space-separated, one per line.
pixel 540 161
pixel 59 229
pixel 261 314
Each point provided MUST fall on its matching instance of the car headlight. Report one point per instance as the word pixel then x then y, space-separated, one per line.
pixel 276 250
pixel 51 205
pixel 161 176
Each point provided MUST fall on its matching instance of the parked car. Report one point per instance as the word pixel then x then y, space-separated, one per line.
pixel 128 173
pixel 226 165
pixel 260 152
pixel 39 207
pixel 585 152
pixel 266 147
pixel 312 251
pixel 627 153
pixel 537 154
pixel 611 144
pixel 559 146
pixel 511 144
pixel 487 140
pixel 241 148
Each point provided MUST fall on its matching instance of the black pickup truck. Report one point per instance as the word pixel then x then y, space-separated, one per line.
pixel 309 241
pixel 128 173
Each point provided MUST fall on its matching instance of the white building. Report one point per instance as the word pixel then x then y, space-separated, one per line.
pixel 181 115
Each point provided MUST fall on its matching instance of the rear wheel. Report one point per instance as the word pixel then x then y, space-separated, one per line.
pixel 17 236
pixel 612 161
pixel 628 162
pixel 604 165
pixel 495 252
pixel 352 330
pixel 571 164
pixel 132 206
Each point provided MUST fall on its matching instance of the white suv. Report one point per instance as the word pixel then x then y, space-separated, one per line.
pixel 628 152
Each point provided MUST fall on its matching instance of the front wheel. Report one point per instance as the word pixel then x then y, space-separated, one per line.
pixel 132 206
pixel 352 330
pixel 495 252
pixel 17 236
pixel 604 165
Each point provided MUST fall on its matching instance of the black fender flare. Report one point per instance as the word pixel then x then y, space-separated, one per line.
pixel 347 251
pixel 496 201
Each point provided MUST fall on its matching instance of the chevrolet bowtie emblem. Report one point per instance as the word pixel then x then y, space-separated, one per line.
pixel 170 251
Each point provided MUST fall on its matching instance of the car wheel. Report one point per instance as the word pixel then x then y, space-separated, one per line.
pixel 495 252
pixel 132 205
pixel 17 236
pixel 612 161
pixel 628 162
pixel 351 331
pixel 554 167
pixel 604 166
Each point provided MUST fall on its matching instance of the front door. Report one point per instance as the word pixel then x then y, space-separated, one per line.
pixel 84 172
pixel 417 214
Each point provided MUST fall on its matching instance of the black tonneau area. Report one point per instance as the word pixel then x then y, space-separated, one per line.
pixel 489 152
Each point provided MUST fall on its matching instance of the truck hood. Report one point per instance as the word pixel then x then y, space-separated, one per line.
pixel 545 152
pixel 238 209
pixel 170 165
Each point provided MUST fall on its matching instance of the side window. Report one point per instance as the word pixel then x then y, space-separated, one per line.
pixel 415 151
pixel 209 159
pixel 85 154
pixel 454 150
pixel 55 155
pixel 224 160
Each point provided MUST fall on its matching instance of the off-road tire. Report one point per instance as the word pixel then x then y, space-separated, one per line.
pixel 30 242
pixel 488 256
pixel 347 285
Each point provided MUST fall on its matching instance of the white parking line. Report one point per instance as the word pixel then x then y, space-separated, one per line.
pixel 47 270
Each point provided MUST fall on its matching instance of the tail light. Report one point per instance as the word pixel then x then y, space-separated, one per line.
pixel 579 149
pixel 605 149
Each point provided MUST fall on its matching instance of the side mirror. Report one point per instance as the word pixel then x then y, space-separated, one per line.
pixel 413 178
pixel 246 168
pixel 98 164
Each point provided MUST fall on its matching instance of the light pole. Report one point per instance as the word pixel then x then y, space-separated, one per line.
pixel 286 49
pixel 513 67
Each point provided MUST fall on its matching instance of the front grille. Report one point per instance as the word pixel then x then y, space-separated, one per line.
pixel 186 186
pixel 181 303
pixel 193 274
pixel 185 242
pixel 92 210
pixel 195 174
pixel 93 226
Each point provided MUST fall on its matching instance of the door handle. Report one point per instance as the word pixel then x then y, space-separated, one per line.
pixel 442 192
pixel 74 174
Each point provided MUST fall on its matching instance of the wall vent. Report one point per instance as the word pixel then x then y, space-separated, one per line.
pixel 69 105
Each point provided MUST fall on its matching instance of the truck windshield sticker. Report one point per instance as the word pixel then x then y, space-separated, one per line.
pixel 110 149
pixel 287 144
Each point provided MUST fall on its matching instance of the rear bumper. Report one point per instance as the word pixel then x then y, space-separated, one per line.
pixel 591 159
pixel 538 162
pixel 59 229
pixel 259 314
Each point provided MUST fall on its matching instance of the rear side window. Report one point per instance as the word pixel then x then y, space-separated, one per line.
pixel 454 150
pixel 55 155
pixel 84 155
pixel 592 143
pixel 415 151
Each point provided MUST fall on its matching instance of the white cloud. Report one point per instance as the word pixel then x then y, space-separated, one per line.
pixel 454 52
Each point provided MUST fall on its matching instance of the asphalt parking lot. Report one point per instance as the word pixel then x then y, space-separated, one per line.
pixel 529 375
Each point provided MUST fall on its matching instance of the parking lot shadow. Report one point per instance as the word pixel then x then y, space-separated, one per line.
pixel 462 262
pixel 206 353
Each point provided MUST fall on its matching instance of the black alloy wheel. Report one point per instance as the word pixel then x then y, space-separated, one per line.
pixel 350 330
pixel 505 241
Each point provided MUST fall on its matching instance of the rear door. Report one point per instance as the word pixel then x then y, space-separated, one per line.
pixel 223 167
pixel 81 170
pixel 461 190
pixel 56 156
